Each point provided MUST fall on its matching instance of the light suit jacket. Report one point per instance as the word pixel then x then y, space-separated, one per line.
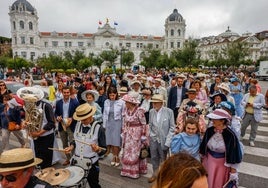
pixel 163 130
pixel 118 110
pixel 258 103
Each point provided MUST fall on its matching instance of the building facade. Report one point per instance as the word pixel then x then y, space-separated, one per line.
pixel 30 43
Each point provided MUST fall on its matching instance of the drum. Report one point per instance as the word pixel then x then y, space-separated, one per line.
pixel 76 176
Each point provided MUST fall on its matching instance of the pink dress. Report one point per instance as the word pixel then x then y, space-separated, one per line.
pixel 134 127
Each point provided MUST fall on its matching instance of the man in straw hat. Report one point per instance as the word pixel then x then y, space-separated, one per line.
pixel 16 169
pixel 93 145
pixel 161 123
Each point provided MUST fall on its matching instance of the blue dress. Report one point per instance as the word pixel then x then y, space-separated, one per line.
pixel 236 93
pixel 183 142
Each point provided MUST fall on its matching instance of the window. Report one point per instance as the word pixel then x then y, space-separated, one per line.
pixel 128 44
pixel 22 40
pixel 141 45
pixel 14 25
pixel 138 45
pixel 32 55
pixel 55 43
pixel 80 44
pixel 107 43
pixel 172 45
pixel 45 44
pixel 120 44
pixel 156 46
pixel 15 40
pixel 89 44
pixel 66 44
pixel 70 44
pixel 179 32
pixel 31 40
pixel 30 25
pixel 24 54
pixel 178 44
pixel 21 24
pixel 171 32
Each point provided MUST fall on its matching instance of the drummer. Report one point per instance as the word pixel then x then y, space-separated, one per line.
pixel 16 169
pixel 91 132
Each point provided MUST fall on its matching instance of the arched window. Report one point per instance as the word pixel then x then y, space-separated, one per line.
pixel 21 24
pixel 179 32
pixel 30 25
pixel 172 32
pixel 14 25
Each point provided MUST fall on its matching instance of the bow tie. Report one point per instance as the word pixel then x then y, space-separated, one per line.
pixel 85 129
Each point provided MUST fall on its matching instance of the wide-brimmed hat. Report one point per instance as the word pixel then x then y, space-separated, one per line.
pixel 30 93
pixel 222 96
pixel 181 76
pixel 158 80
pixel 219 114
pixel 131 99
pixel 235 79
pixel 200 75
pixel 16 159
pixel 191 90
pixel 146 92
pixel 225 87
pixel 228 106
pixel 84 111
pixel 130 75
pixel 123 90
pixel 157 98
pixel 93 92
pixel 135 82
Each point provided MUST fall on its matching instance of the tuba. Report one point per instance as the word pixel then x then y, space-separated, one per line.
pixel 33 114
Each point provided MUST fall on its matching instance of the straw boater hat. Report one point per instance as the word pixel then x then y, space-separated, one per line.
pixel 84 111
pixel 225 87
pixel 123 90
pixel 157 98
pixel 16 159
pixel 131 99
pixel 191 90
pixel 30 93
pixel 93 92
pixel 158 80
pixel 219 114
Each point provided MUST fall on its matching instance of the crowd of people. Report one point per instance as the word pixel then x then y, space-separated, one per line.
pixel 203 115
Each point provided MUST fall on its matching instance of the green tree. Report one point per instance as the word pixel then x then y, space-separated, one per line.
pixel 78 55
pixel 97 61
pixel 127 58
pixel 236 53
pixel 110 56
pixel 84 63
pixel 187 54
pixel 150 58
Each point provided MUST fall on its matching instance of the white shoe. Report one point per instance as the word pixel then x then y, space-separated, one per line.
pixel 251 143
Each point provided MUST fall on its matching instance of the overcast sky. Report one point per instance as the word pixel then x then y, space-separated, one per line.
pixel 145 17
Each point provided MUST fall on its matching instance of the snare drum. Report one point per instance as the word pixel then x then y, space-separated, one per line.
pixel 76 177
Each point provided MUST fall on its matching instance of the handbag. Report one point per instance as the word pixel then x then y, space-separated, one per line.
pixel 12 126
pixel 144 153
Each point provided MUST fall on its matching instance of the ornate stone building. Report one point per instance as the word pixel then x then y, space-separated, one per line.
pixel 30 43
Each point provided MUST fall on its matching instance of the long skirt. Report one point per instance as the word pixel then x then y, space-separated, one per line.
pixel 218 174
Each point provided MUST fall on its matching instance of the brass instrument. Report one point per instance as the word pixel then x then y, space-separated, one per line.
pixel 33 114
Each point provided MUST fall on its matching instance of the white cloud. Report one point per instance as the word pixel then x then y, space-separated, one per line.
pixel 203 18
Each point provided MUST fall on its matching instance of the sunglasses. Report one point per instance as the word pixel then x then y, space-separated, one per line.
pixel 9 178
pixel 2 84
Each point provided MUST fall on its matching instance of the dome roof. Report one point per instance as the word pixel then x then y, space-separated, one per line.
pixel 24 3
pixel 228 33
pixel 175 16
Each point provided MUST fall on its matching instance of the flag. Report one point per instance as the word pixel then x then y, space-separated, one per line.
pixel 100 23
pixel 115 23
